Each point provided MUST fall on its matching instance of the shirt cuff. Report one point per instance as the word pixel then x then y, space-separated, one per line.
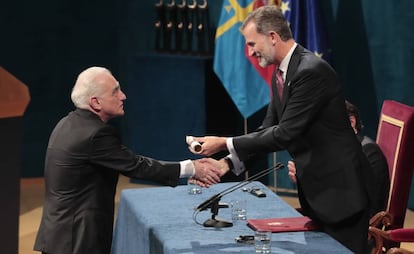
pixel 187 169
pixel 238 166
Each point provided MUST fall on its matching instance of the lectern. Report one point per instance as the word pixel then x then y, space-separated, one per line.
pixel 14 98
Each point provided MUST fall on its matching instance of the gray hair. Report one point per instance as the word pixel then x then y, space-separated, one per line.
pixel 269 18
pixel 88 83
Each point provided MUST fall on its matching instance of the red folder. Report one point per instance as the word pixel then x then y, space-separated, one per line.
pixel 288 224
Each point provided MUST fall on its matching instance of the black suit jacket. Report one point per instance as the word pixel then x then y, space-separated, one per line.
pixel 312 124
pixel 378 177
pixel 83 160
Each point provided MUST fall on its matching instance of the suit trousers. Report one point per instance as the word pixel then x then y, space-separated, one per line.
pixel 351 232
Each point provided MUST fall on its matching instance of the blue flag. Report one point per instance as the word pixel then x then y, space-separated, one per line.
pixel 306 22
pixel 240 78
pixel 247 84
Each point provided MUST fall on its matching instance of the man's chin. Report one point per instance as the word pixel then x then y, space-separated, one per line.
pixel 263 65
pixel 121 113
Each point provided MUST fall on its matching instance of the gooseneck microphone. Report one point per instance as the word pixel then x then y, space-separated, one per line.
pixel 213 202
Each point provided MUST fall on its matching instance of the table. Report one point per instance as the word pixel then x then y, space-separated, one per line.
pixel 160 220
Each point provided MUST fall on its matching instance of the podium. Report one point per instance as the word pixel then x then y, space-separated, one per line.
pixel 14 98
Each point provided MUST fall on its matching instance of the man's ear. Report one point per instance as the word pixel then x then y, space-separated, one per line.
pixel 274 37
pixel 94 103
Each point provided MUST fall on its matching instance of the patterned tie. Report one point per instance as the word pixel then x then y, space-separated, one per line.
pixel 279 83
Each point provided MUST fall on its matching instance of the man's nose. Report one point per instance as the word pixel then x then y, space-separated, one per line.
pixel 251 51
pixel 123 96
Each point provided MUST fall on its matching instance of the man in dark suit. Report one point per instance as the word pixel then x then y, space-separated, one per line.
pixel 83 161
pixel 310 121
pixel 378 184
pixel 378 178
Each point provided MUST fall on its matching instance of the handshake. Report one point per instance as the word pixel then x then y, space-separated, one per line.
pixel 207 170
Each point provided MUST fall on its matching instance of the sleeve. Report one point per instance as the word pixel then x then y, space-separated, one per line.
pixel 379 177
pixel 108 152
pixel 237 165
pixel 187 168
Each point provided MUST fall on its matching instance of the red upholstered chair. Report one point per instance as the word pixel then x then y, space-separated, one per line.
pixel 395 235
pixel 395 137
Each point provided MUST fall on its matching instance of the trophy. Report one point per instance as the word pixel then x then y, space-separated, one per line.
pixel 192 21
pixel 203 33
pixel 181 31
pixel 159 26
pixel 169 29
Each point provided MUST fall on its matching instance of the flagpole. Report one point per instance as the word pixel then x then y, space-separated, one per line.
pixel 274 172
pixel 246 172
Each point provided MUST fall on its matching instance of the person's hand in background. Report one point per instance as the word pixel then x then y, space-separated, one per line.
pixel 292 171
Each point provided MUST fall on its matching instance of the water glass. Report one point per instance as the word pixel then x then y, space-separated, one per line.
pixel 262 241
pixel 238 210
pixel 193 188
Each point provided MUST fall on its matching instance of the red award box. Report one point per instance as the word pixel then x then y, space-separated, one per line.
pixel 287 224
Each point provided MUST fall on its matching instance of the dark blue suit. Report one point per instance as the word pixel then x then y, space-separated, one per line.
pixel 311 123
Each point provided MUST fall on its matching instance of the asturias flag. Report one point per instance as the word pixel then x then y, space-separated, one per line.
pixel 245 86
pixel 247 83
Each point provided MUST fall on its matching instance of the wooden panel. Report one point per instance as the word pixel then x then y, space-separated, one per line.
pixel 14 95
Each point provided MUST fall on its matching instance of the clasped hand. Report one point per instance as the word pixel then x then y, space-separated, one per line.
pixel 208 171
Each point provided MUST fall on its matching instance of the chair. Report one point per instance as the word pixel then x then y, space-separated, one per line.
pixel 395 137
pixel 395 235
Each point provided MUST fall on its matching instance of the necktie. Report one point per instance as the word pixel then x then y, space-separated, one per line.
pixel 279 83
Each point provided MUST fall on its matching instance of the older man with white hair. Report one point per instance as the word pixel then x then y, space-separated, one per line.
pixel 83 161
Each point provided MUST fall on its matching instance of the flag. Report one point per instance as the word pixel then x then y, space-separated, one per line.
pixel 248 84
pixel 246 87
pixel 306 22
pixel 266 72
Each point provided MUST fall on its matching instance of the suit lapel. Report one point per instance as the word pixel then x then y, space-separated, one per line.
pixel 293 63
pixel 292 67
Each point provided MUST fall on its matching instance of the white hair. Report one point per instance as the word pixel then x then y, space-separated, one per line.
pixel 88 84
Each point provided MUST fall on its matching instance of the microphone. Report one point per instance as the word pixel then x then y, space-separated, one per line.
pixel 213 202
pixel 206 204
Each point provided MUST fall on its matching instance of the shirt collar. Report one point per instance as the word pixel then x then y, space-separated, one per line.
pixel 285 62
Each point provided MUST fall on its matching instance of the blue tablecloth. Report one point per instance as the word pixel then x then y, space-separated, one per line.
pixel 160 220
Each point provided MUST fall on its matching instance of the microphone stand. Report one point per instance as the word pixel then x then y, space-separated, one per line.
pixel 214 205
pixel 213 221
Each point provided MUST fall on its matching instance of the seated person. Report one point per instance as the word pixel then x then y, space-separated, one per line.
pixel 378 184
